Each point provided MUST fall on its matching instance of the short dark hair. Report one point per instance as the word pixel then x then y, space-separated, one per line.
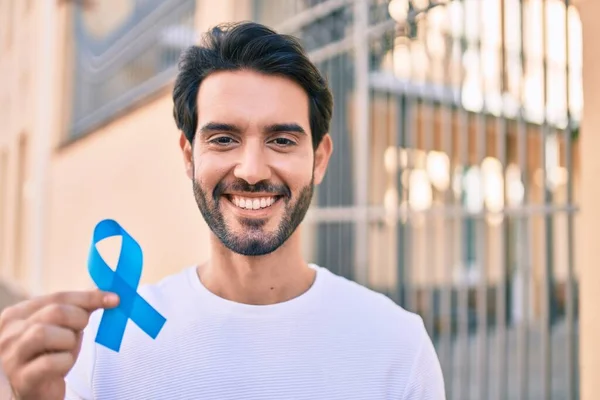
pixel 250 46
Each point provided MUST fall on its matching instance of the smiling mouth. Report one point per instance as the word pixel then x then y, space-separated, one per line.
pixel 253 203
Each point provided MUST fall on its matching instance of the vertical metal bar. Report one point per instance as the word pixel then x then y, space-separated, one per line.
pixel 410 143
pixel 406 141
pixel 427 122
pixel 338 229
pixel 570 290
pixel 464 355
pixel 523 229
pixel 410 266
pixel 361 143
pixel 481 228
pixel 403 248
pixel 448 286
pixel 545 320
pixel 482 301
pixel 327 227
pixel 392 229
pixel 337 72
pixel 546 287
pixel 501 300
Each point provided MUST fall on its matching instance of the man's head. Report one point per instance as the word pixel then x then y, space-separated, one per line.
pixel 254 113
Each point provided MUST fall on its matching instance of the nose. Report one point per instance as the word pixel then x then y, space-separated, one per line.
pixel 253 166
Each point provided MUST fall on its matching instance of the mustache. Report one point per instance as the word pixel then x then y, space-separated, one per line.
pixel 241 185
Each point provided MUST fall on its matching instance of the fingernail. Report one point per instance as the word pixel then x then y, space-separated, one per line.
pixel 111 299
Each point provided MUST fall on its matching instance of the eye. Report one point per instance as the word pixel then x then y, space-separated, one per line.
pixel 284 142
pixel 222 141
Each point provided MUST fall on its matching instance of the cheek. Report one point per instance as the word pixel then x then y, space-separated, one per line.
pixel 209 170
pixel 295 171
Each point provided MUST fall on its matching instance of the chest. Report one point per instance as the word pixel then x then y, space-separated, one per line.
pixel 247 360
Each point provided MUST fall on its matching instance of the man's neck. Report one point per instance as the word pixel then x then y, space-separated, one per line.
pixel 269 279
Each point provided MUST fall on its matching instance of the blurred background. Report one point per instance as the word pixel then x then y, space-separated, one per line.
pixel 460 185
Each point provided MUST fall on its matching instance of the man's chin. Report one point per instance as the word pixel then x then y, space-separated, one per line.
pixel 246 234
pixel 242 226
pixel 251 247
pixel 252 224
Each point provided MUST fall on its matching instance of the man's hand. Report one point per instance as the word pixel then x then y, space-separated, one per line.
pixel 40 340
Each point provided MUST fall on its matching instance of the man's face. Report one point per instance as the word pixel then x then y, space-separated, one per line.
pixel 252 162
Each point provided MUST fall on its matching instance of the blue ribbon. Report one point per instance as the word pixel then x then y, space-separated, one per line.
pixel 123 281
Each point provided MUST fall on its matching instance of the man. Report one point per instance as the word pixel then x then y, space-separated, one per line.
pixel 256 321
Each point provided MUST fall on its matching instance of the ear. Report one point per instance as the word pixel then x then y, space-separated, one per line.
pixel 188 158
pixel 322 155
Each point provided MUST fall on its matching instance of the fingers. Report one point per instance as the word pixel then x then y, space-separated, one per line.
pixel 41 338
pixel 38 341
pixel 65 315
pixel 10 336
pixel 47 365
pixel 90 300
pixel 54 327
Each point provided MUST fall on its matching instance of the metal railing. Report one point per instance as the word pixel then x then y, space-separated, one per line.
pixel 453 176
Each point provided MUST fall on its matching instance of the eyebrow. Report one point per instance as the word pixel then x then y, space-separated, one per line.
pixel 219 127
pixel 290 127
pixel 273 128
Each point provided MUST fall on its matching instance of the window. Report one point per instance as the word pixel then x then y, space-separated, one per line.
pixel 125 51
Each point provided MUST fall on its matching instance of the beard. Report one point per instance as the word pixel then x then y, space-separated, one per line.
pixel 253 240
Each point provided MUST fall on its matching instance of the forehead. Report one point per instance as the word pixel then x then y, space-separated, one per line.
pixel 249 97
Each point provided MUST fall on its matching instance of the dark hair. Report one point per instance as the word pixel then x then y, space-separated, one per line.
pixel 249 45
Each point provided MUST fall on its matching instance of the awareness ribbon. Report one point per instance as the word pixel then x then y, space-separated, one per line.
pixel 124 281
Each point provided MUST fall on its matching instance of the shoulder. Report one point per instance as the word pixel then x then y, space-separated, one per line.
pixel 346 296
pixel 162 295
pixel 169 288
pixel 393 333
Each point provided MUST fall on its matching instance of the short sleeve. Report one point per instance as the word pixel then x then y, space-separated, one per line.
pixel 79 380
pixel 426 380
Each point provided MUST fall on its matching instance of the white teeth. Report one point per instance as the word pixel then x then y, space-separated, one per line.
pixel 253 203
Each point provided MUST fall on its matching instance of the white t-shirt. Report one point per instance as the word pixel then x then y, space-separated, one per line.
pixel 338 340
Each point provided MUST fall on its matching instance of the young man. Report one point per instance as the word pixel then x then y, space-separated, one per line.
pixel 256 321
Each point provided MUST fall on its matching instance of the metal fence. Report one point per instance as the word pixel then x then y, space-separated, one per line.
pixel 123 53
pixel 452 188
